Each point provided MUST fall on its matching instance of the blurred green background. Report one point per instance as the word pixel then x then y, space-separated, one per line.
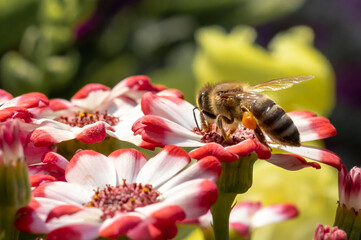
pixel 57 46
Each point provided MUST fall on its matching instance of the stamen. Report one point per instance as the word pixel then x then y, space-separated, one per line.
pixel 81 119
pixel 123 198
pixel 216 136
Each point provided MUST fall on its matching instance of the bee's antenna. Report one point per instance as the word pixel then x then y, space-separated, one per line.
pixel 195 118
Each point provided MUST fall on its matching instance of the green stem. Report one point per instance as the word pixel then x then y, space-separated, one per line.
pixel 7 229
pixel 220 213
pixel 236 177
pixel 350 221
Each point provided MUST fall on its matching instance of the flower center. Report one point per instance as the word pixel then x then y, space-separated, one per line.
pixel 215 135
pixel 123 198
pixel 80 119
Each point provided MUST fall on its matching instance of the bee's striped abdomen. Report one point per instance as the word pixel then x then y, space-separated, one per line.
pixel 274 121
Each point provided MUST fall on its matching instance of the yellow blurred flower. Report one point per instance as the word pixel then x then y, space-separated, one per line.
pixel 235 56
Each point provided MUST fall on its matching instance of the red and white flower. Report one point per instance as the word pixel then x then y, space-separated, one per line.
pixel 349 188
pixel 328 233
pixel 52 168
pixel 4 96
pixel 93 112
pixel 34 102
pixel 122 195
pixel 246 216
pixel 349 206
pixel 24 109
pixel 25 123
pixel 170 120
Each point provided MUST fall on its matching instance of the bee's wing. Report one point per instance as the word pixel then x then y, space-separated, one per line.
pixel 278 84
pixel 246 96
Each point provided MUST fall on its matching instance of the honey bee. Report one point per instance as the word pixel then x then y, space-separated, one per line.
pixel 234 102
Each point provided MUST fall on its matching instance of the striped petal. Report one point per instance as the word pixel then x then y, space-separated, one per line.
pixel 160 224
pixel 291 162
pixel 38 179
pixel 80 231
pixel 134 84
pixel 91 133
pixel 216 150
pixel 171 93
pixel 58 104
pixel 248 146
pixel 243 212
pixel 274 213
pixel 171 108
pixel 350 187
pixel 15 112
pixel 90 170
pixel 32 218
pixel 128 163
pixel 56 159
pixel 195 197
pixel 35 154
pixel 314 153
pixel 4 96
pixel 68 214
pixel 160 131
pixel 123 130
pixel 207 168
pixel 298 115
pixel 63 191
pixel 163 166
pixel 315 128
pixel 119 225
pixel 28 100
pixel 48 135
pixel 63 210
pixel 91 96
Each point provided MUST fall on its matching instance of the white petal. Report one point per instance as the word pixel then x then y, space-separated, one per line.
pixel 128 163
pixel 273 214
pixel 163 166
pixel 318 154
pixel 243 212
pixel 195 197
pixel 172 108
pixel 63 191
pixel 206 168
pixel 92 101
pixel 90 170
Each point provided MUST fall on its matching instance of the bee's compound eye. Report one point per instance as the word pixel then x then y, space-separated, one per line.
pixel 201 99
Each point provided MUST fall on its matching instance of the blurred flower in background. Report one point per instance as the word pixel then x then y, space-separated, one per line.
pixel 315 196
pixel 328 233
pixel 246 216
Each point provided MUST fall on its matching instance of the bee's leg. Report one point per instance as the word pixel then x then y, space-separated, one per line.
pixel 204 124
pixel 260 136
pixel 232 128
pixel 219 123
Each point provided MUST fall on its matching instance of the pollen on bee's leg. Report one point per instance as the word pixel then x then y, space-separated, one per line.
pixel 249 121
